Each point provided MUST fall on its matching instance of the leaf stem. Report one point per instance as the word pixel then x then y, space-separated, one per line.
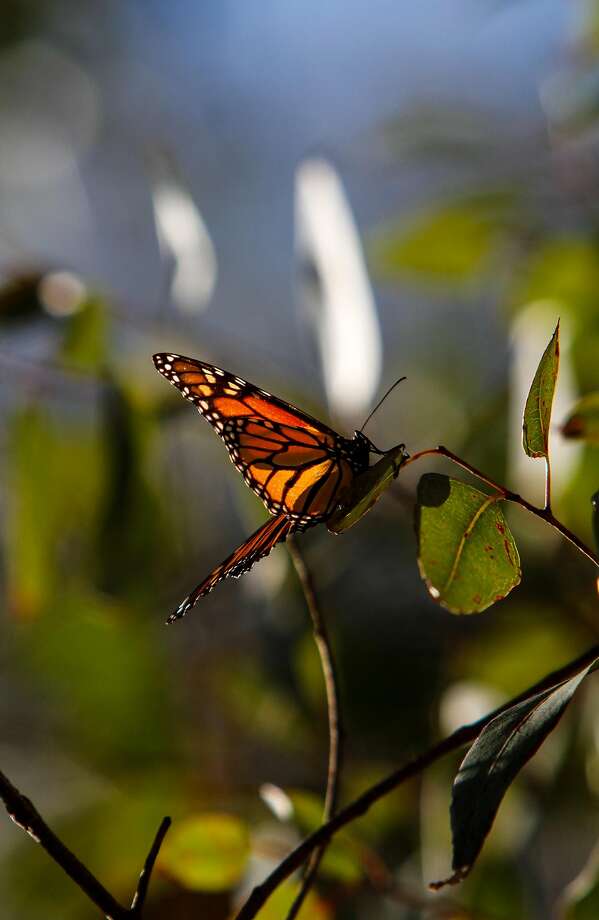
pixel 545 513
pixel 336 730
pixel 360 805
pixel 548 484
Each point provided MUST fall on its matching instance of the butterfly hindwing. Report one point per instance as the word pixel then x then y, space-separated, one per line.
pixel 274 531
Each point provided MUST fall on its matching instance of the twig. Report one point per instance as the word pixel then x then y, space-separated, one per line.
pixel 544 513
pixel 360 806
pixel 139 898
pixel 24 813
pixel 336 731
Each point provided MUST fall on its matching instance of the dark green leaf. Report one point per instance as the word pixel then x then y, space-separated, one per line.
pixel 206 852
pixel 367 489
pixel 503 747
pixel 537 411
pixel 19 299
pixel 466 552
pixel 583 421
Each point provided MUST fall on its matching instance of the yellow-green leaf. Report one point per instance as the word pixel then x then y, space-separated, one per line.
pixel 466 552
pixel 537 411
pixel 583 421
pixel 207 852
pixel 450 243
pixel 367 489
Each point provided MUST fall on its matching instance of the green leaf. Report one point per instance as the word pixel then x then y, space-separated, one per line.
pixel 503 747
pixel 452 242
pixel 466 552
pixel 537 411
pixel 85 343
pixel 54 480
pixel 583 421
pixel 367 489
pixel 207 852
pixel 562 269
pixel 88 642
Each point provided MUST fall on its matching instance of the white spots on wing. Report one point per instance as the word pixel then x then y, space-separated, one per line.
pixel 219 425
pixel 218 371
pixel 204 404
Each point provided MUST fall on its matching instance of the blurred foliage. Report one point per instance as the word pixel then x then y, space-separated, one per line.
pixel 115 501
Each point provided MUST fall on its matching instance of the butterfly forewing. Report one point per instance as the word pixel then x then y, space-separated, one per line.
pixel 294 463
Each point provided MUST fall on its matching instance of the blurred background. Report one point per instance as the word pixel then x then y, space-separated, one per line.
pixel 319 198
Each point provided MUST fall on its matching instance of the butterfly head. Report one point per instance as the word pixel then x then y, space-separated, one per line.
pixel 362 447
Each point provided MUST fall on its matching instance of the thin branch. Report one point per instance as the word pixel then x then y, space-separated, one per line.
pixel 548 484
pixel 360 806
pixel 24 813
pixel 336 731
pixel 139 898
pixel 544 513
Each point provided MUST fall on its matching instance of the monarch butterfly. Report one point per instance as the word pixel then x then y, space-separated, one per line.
pixel 300 468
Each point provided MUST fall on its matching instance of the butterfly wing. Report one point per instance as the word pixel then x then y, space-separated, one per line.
pixel 274 531
pixel 294 463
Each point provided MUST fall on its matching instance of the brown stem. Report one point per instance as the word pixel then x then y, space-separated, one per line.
pixel 544 513
pixel 336 732
pixel 360 806
pixel 24 813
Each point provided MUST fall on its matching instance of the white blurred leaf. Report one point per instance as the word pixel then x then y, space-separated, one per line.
pixel 184 238
pixel 341 301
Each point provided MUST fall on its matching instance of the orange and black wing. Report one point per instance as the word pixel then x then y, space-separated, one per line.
pixel 297 465
pixel 255 547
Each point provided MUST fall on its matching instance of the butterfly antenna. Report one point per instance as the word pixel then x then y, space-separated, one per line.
pixel 381 401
